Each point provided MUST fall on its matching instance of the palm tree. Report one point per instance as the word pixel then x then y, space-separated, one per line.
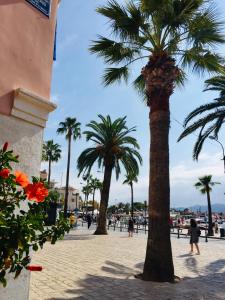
pixel 211 123
pixel 86 190
pixel 95 184
pixel 52 153
pixel 71 128
pixel 204 185
pixel 130 179
pixel 113 147
pixel 170 35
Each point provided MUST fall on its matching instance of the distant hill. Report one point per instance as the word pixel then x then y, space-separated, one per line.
pixel 217 207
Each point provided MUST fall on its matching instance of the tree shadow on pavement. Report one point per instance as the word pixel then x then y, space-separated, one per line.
pixel 118 269
pixel 209 285
pixel 72 237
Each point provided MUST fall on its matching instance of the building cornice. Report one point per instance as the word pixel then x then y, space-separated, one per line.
pixel 31 107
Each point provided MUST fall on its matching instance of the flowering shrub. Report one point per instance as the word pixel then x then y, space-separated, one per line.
pixel 22 226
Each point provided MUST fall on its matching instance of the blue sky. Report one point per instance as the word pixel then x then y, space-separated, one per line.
pixel 78 92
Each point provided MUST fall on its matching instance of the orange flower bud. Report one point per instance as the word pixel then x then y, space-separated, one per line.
pixel 5 147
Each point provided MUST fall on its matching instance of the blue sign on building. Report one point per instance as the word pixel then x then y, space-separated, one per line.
pixel 42 5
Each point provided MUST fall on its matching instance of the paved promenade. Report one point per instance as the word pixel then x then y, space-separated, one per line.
pixel 88 267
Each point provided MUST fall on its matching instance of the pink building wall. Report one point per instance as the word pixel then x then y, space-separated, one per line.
pixel 26 51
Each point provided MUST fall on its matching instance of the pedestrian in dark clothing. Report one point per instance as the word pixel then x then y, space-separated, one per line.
pixel 194 232
pixel 130 227
pixel 89 220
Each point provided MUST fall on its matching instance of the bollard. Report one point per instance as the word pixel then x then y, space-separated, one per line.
pixel 108 226
pixel 206 236
pixel 114 226
pixel 178 232
pixel 120 227
pixel 145 228
pixel 137 229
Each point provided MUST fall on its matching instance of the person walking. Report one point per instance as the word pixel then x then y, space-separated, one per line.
pixel 194 232
pixel 89 220
pixel 130 227
pixel 72 220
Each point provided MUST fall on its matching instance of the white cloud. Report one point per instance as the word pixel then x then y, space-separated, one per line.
pixel 189 171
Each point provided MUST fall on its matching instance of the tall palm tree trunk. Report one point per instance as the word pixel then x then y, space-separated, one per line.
pixel 67 177
pixel 158 264
pixel 101 222
pixel 160 74
pixel 210 228
pixel 93 202
pixel 132 201
pixel 49 170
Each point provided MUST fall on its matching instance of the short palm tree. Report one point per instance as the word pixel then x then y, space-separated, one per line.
pixel 207 118
pixel 130 179
pixel 169 35
pixel 95 184
pixel 205 184
pixel 71 128
pixel 51 152
pixel 113 147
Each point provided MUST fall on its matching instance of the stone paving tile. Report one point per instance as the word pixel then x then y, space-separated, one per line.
pixel 87 267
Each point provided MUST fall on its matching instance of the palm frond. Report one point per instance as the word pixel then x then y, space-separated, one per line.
pixel 125 21
pixel 205 28
pixel 201 60
pixel 112 51
pixel 112 75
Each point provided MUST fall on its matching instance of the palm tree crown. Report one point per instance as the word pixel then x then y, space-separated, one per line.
pixel 71 128
pixel 210 116
pixel 130 178
pixel 52 153
pixel 186 30
pixel 205 184
pixel 95 183
pixel 113 146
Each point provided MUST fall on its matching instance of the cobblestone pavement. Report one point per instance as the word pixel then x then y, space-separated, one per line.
pixel 87 267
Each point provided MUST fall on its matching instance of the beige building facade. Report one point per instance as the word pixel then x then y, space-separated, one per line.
pixel 74 198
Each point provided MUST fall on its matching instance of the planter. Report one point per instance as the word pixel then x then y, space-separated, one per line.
pixel 16 289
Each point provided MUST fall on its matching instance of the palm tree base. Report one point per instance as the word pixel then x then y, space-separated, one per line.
pixel 100 231
pixel 147 277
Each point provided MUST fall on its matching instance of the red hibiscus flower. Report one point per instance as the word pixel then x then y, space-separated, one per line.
pixel 36 192
pixel 21 179
pixel 4 173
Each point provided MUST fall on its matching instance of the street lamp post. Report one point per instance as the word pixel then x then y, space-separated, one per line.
pixel 145 202
pixel 215 139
